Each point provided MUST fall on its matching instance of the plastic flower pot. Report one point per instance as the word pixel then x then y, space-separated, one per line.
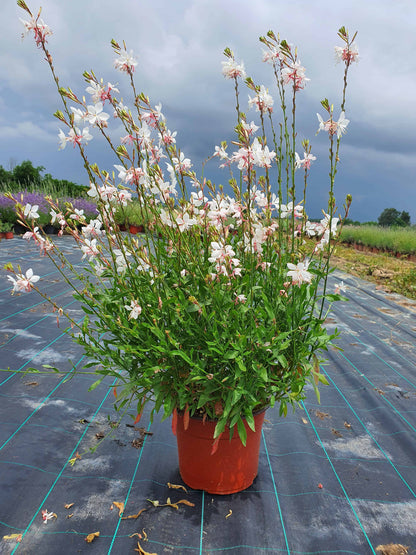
pixel 221 467
pixel 134 229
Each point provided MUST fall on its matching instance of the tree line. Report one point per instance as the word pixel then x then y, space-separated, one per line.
pixel 27 176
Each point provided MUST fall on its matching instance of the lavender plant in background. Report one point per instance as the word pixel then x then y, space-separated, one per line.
pixel 8 214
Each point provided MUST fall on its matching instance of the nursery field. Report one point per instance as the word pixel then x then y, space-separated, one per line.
pixel 335 477
pixel 396 274
pixel 398 241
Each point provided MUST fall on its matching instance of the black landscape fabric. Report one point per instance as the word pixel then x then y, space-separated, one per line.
pixel 335 477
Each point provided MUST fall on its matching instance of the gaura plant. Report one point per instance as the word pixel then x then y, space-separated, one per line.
pixel 218 309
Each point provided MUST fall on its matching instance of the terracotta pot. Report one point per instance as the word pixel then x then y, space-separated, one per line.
pixel 225 469
pixel 134 229
pixel 2 234
pixel 8 234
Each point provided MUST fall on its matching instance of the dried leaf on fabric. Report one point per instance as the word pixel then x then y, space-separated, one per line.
pixel 392 549
pixel 91 537
pixel 134 516
pixel 13 537
pixel 120 507
pixel 230 512
pixel 322 415
pixel 305 421
pixel 176 486
pixel 69 505
pixel 347 425
pixel 185 502
pixel 140 550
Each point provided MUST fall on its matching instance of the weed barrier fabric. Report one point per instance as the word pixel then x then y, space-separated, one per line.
pixel 335 477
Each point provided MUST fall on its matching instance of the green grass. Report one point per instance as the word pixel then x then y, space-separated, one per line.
pixel 396 240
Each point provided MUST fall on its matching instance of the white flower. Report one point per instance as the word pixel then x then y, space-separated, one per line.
pixel 125 62
pixel 263 100
pixel 89 248
pixel 134 308
pixel 23 282
pixel 305 162
pixel 31 212
pixel 184 222
pixel 340 287
pixel 77 215
pixel 347 54
pixel 342 124
pixel 262 157
pixel 232 70
pixel 96 116
pixel 299 273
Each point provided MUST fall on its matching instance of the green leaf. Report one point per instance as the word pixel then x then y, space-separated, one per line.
pixel 242 432
pixel 250 421
pixel 220 427
pixel 95 384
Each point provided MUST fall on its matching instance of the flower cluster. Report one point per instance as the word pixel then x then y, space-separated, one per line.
pixel 219 308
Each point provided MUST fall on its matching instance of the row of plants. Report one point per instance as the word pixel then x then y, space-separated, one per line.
pixel 396 240
pixel 9 220
pixel 27 177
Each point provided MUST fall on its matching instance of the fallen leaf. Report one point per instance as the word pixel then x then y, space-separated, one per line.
pixel 230 512
pixel 137 442
pixel 393 549
pixel 134 516
pixel 175 486
pixel 347 424
pixel 68 505
pixel 336 432
pixel 34 384
pixel 322 415
pixel 320 486
pixel 154 503
pixel 70 516
pixel 120 507
pixel 142 551
pixel 99 435
pixel 13 537
pixel 185 502
pixel 304 421
pixel 91 537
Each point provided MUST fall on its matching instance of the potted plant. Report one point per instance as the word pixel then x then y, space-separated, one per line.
pixel 219 312
pixel 134 215
pixel 6 230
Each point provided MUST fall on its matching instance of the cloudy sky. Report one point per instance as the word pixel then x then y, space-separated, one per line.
pixel 179 46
